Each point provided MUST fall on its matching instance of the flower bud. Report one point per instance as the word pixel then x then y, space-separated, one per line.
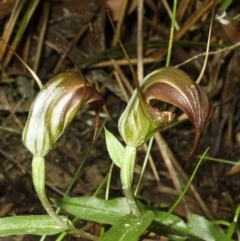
pixel 54 108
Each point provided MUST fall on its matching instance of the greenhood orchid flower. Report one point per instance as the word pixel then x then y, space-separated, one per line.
pixel 54 108
pixel 145 115
pixel 141 119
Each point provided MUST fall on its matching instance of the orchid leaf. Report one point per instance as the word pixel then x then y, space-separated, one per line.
pixel 128 228
pixel 95 209
pixel 35 224
pixel 115 148
pixel 202 228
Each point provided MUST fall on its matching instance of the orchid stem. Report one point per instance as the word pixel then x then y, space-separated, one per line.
pixel 38 175
pixel 127 170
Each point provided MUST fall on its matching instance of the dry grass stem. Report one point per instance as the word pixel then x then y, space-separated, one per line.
pixel 122 76
pixel 220 51
pixel 32 5
pixel 169 11
pixel 81 31
pixel 10 25
pixel 42 33
pixel 10 109
pixel 119 81
pixel 124 62
pixel 120 22
pixel 164 150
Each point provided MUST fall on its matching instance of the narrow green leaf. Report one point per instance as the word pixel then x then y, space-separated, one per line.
pixel 35 224
pixel 115 148
pixel 202 228
pixel 225 4
pixel 128 228
pixel 95 209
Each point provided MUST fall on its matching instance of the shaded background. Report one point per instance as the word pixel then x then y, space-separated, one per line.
pixel 83 29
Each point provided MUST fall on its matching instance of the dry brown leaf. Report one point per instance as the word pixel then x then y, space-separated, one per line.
pixel 234 169
pixel 115 6
pixel 5 209
pixel 6 8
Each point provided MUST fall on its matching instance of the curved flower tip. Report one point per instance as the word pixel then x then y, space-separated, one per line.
pixel 54 108
pixel 172 85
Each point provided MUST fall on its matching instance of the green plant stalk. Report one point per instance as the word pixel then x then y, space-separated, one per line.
pixel 144 165
pixel 126 175
pixel 220 160
pixel 221 222
pixel 108 183
pixel 38 175
pixel 233 225
pixel 170 43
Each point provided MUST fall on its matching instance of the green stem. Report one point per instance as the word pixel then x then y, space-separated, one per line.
pixel 144 165
pixel 38 175
pixel 170 42
pixel 127 170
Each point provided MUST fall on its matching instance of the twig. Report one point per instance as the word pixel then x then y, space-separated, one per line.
pixel 168 162
pixel 122 76
pixel 119 81
pixel 208 44
pixel 81 31
pixel 9 107
pixel 210 53
pixel 124 62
